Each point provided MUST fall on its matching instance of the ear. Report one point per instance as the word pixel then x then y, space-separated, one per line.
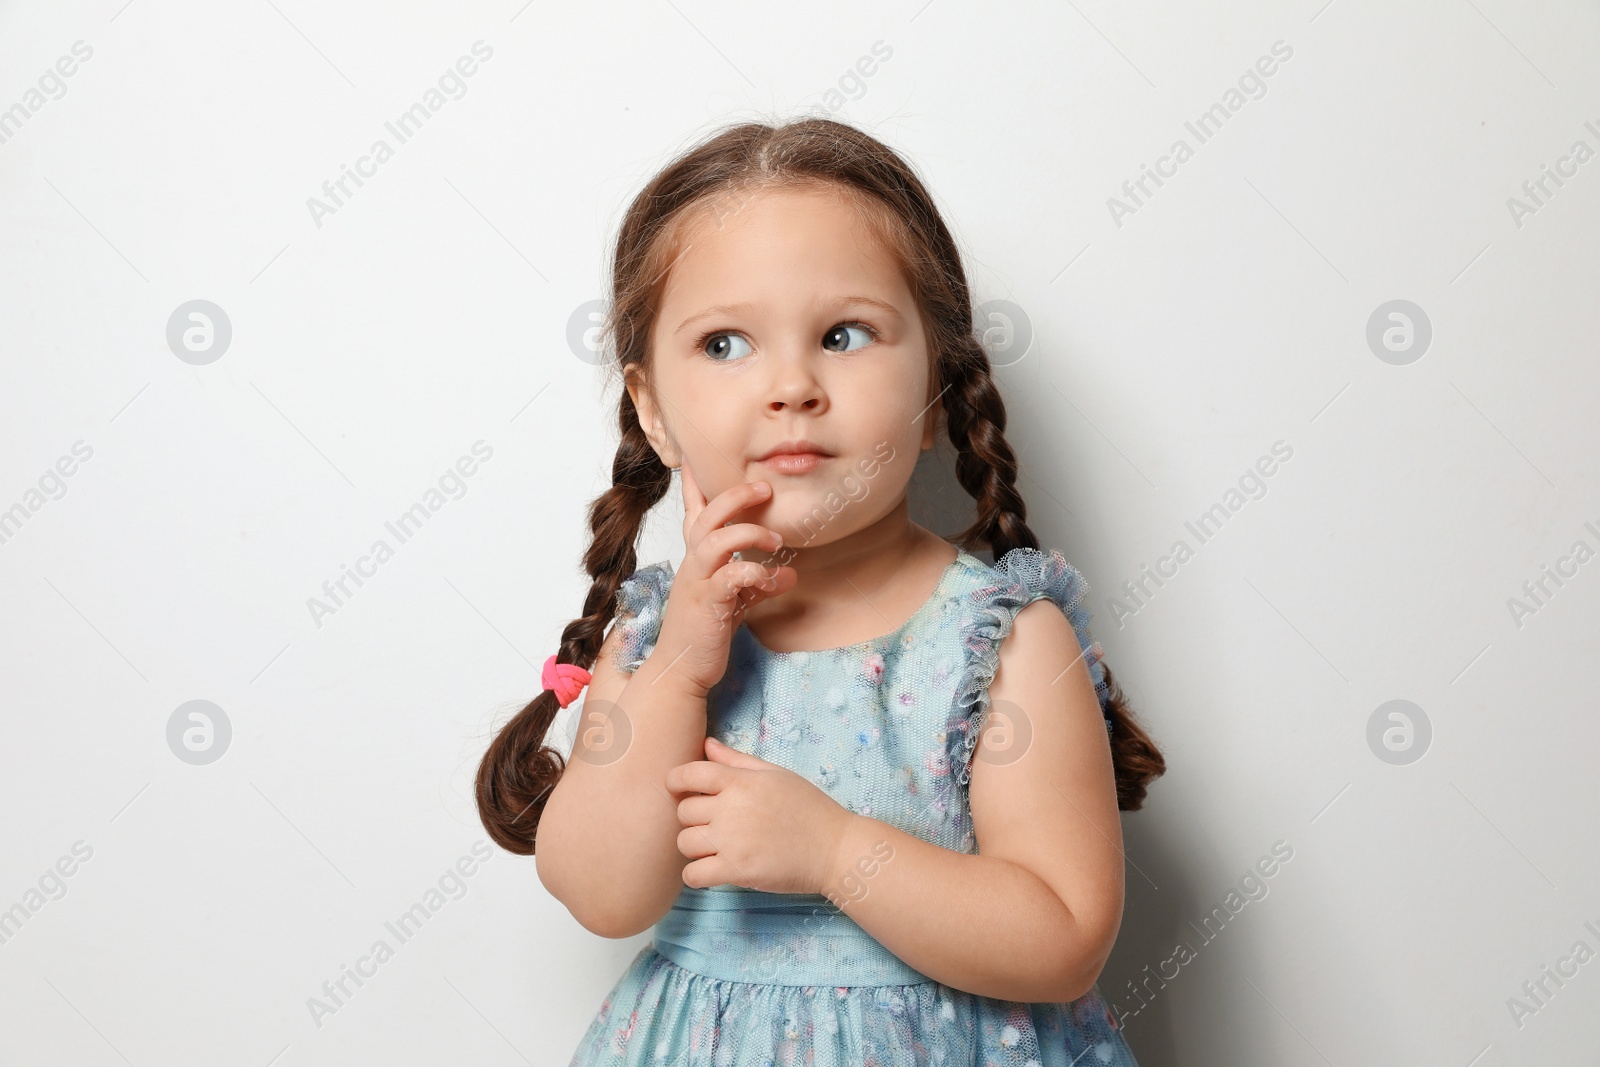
pixel 650 420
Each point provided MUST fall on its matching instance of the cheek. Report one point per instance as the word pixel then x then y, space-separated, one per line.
pixel 901 426
pixel 712 474
pixel 895 471
pixel 710 441
pixel 906 386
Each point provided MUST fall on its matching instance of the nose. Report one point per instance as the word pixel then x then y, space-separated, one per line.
pixel 796 385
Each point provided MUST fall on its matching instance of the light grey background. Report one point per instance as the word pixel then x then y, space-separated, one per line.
pixel 431 311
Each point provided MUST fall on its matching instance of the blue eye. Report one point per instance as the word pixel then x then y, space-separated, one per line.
pixel 724 343
pixel 721 343
pixel 841 332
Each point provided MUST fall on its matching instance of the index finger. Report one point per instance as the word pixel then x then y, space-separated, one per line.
pixel 739 497
pixel 694 501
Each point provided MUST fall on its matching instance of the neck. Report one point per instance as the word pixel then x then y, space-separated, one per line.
pixel 854 565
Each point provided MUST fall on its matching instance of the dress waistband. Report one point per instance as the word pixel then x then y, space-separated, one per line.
pixel 745 935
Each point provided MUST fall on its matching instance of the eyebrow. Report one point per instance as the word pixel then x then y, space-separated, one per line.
pixel 729 309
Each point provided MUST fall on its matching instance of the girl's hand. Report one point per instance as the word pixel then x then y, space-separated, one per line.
pixel 711 590
pixel 754 824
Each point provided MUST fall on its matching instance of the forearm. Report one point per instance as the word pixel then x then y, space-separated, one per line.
pixel 612 856
pixel 976 923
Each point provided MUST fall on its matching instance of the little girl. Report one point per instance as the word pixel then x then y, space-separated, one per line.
pixel 862 786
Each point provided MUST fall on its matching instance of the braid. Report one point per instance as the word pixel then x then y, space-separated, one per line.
pixel 985 465
pixel 987 469
pixel 518 770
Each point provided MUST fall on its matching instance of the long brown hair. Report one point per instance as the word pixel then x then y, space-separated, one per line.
pixel 713 179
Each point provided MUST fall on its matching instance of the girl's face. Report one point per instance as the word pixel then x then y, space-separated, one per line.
pixel 783 319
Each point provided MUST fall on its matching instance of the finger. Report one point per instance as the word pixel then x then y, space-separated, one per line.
pixel 710 871
pixel 742 583
pixel 717 546
pixel 694 501
pixel 694 843
pixel 720 753
pixel 675 782
pixel 700 776
pixel 728 503
pixel 695 810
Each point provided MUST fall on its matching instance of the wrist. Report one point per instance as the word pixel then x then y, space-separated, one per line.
pixel 664 681
pixel 833 856
pixel 860 850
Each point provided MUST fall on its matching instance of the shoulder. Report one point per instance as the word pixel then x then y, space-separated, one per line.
pixel 1041 626
pixel 1010 587
pixel 1004 621
pixel 1042 666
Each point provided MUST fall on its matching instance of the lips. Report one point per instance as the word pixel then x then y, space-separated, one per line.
pixel 794 462
pixel 794 447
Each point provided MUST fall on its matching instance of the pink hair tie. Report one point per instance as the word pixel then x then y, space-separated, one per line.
pixel 566 680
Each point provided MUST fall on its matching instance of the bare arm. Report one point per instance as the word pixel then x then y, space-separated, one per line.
pixel 607 841
pixel 608 838
pixel 1033 916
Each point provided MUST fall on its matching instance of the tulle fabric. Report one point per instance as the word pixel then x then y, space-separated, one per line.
pixel 641 599
pixel 661 1014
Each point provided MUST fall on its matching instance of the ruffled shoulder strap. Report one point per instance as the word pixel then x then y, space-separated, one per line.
pixel 1022 576
pixel 641 600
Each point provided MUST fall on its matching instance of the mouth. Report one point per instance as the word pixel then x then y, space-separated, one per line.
pixel 795 462
pixel 797 456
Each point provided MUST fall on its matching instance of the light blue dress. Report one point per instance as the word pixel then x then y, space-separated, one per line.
pixel 887 728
